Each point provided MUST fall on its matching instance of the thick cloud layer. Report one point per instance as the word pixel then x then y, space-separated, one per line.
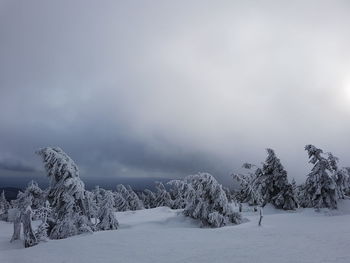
pixel 168 88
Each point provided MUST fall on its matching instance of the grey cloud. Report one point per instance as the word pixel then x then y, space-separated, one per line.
pixel 168 88
pixel 10 164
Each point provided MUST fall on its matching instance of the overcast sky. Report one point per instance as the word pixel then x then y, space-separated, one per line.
pixel 170 88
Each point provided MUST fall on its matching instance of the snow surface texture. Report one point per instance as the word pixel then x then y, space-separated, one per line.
pixel 165 235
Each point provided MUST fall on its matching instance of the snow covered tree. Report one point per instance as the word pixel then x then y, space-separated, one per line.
pixel 91 205
pixel 98 194
pixel 4 206
pixel 43 213
pixel 29 235
pixel 178 193
pixel 134 202
pixel 120 203
pixel 149 199
pixel 121 189
pixel 275 186
pixel 163 198
pixel 319 190
pixel 24 215
pixel 340 177
pixel 106 215
pixel 207 201
pixel 66 194
pixel 229 194
pixel 250 187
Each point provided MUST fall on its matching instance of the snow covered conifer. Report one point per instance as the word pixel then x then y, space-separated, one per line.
pixel 275 186
pixel 250 187
pixel 106 215
pixel 134 202
pixel 120 203
pixel 66 193
pixel 37 194
pixel 121 189
pixel 340 177
pixel 207 201
pixel 178 193
pixel 163 198
pixel 43 213
pixel 319 190
pixel 4 204
pixel 98 194
pixel 149 201
pixel 91 205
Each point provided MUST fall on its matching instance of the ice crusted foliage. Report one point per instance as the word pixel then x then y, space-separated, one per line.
pixel 120 203
pixel 268 184
pixel 43 213
pixel 149 199
pixel 319 190
pixel 106 215
pixel 66 193
pixel 207 201
pixel 4 205
pixel 340 177
pixel 163 197
pixel 134 202
pixel 98 194
pixel 275 187
pixel 229 194
pixel 249 186
pixel 178 191
pixel 121 189
pixel 38 195
pixel 91 205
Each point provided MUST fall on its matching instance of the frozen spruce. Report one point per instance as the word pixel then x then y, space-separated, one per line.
pixel 340 177
pixel 38 195
pixel 274 184
pixel 106 215
pixel 134 202
pixel 66 194
pixel 178 190
pixel 163 197
pixel 91 206
pixel 319 190
pixel 149 199
pixel 4 206
pixel 121 189
pixel 120 203
pixel 207 202
pixel 249 185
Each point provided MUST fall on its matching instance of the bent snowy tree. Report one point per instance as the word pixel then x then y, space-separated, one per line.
pixel 319 190
pixel 66 194
pixel 207 201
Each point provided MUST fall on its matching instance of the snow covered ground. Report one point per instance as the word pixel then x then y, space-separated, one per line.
pixel 165 236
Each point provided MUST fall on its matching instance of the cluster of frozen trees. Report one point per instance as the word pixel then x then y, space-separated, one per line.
pixel 66 208
pixel 325 184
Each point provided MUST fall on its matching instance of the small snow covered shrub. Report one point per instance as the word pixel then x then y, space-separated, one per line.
pixel 207 201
